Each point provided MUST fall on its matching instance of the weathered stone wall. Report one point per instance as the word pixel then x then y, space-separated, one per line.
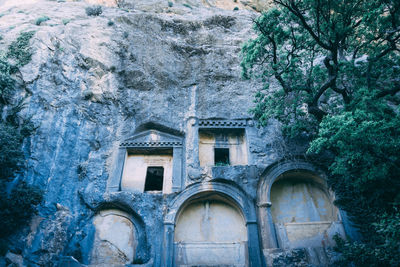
pixel 156 5
pixel 95 83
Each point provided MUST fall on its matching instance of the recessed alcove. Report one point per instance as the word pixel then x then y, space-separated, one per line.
pixel 148 172
pixel 150 161
pixel 115 240
pixel 210 231
pixel 154 179
pixel 221 156
pixel 300 200
pixel 303 211
pixel 222 147
pixel 296 208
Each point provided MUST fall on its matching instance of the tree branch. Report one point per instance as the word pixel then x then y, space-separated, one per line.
pixel 316 111
pixel 329 83
pixel 292 7
pixel 391 92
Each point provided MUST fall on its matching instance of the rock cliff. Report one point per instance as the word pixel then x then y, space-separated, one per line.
pixel 127 72
pixel 93 80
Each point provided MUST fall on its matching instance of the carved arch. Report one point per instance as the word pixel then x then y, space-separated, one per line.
pixel 142 249
pixel 232 194
pixel 275 171
pixel 273 235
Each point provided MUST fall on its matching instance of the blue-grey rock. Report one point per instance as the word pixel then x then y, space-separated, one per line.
pixel 91 85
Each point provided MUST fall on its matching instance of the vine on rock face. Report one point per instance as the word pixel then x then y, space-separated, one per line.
pixel 331 71
pixel 17 206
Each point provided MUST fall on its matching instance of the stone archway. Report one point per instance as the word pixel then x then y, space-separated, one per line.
pixel 210 231
pixel 296 208
pixel 220 196
pixel 303 212
pixel 115 239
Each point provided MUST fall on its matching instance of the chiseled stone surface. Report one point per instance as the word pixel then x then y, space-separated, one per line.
pixel 312 202
pixel 115 239
pixel 135 168
pixel 210 221
pixel 95 81
pixel 210 232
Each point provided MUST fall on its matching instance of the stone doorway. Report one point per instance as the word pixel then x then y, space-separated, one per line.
pixel 210 232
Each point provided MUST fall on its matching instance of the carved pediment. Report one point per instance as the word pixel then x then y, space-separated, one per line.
pixel 152 138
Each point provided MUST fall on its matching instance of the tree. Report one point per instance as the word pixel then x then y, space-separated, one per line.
pixel 332 74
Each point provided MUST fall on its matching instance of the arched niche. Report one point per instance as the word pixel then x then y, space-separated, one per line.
pixel 215 197
pixel 210 231
pixel 296 208
pixel 116 239
pixel 299 197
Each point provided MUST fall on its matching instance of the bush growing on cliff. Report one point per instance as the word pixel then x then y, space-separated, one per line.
pixel 382 250
pixel 41 19
pixel 335 68
pixel 17 206
pixel 11 155
pixel 19 50
pixel 93 10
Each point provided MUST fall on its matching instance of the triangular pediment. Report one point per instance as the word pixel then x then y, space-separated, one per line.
pixel 152 138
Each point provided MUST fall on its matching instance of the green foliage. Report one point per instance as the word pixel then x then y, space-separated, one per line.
pixel 11 155
pixel 187 5
pixel 7 83
pixel 13 129
pixel 20 54
pixel 17 206
pixel 94 10
pixel 170 4
pixel 66 21
pixel 110 23
pixel 381 250
pixel 19 50
pixel 41 19
pixel 331 71
pixel 366 149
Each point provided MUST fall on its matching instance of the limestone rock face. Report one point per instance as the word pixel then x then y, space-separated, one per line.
pixel 258 5
pixel 95 81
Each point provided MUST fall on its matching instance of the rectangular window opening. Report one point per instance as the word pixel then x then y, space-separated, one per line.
pixel 154 179
pixel 221 157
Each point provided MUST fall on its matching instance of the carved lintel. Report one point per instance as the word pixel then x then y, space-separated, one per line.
pixel 222 123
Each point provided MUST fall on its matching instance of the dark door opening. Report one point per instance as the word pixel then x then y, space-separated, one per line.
pixel 221 156
pixel 154 179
